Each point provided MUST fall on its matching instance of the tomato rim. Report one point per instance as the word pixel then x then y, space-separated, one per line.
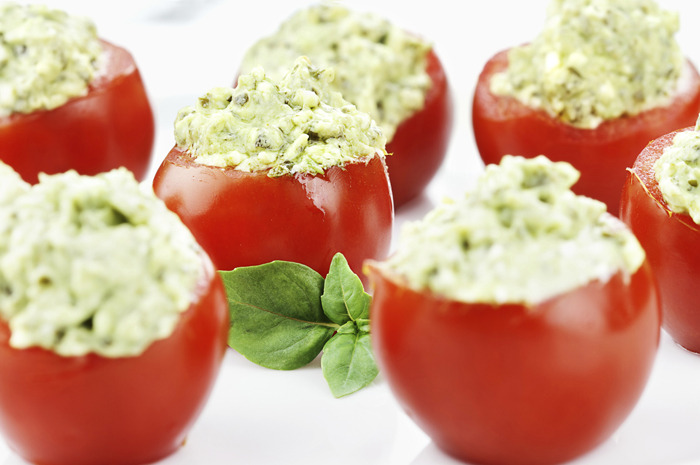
pixel 647 178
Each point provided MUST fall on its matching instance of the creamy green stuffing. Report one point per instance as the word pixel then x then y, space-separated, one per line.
pixel 91 264
pixel 295 125
pixel 379 67
pixel 596 60
pixel 677 171
pixel 522 236
pixel 46 57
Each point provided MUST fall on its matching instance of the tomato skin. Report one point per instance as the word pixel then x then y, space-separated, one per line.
pixel 244 219
pixel 508 384
pixel 93 410
pixel 670 241
pixel 111 126
pixel 502 125
pixel 420 143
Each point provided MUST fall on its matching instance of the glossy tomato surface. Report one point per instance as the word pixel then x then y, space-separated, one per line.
pixel 111 126
pixel 517 385
pixel 245 219
pixel 93 410
pixel 671 243
pixel 503 125
pixel 421 141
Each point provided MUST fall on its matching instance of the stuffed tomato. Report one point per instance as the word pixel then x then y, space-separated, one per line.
pixel 575 97
pixel 657 204
pixel 70 100
pixel 519 324
pixel 295 175
pixel 394 76
pixel 113 323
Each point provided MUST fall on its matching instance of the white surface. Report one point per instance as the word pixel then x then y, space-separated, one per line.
pixel 263 417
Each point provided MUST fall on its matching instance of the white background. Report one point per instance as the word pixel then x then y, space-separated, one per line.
pixel 262 417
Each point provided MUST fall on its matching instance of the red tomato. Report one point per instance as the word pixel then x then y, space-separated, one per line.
pixel 111 126
pixel 512 384
pixel 670 241
pixel 244 219
pixel 93 410
pixel 420 142
pixel 503 125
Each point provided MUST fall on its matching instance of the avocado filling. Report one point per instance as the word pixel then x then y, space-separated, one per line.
pixel 379 67
pixel 46 57
pixel 295 125
pixel 596 60
pixel 91 264
pixel 521 236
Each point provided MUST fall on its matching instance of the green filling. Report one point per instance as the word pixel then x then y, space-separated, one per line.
pixel 46 57
pixel 596 60
pixel 678 173
pixel 521 236
pixel 295 125
pixel 379 67
pixel 91 264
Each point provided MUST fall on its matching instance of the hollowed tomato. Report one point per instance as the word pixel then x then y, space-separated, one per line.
pixel 249 218
pixel 420 142
pixel 670 241
pixel 111 126
pixel 94 410
pixel 517 385
pixel 503 125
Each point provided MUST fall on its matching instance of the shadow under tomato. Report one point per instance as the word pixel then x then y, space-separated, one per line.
pixel 432 455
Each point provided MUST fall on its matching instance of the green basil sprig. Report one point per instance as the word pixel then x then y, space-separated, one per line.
pixel 283 314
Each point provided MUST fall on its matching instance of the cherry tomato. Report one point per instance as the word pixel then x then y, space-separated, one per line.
pixel 111 126
pixel 421 141
pixel 503 125
pixel 93 410
pixel 245 219
pixel 512 384
pixel 670 241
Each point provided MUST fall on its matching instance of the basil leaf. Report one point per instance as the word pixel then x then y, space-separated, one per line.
pixel 348 328
pixel 348 363
pixel 276 316
pixel 363 325
pixel 344 297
